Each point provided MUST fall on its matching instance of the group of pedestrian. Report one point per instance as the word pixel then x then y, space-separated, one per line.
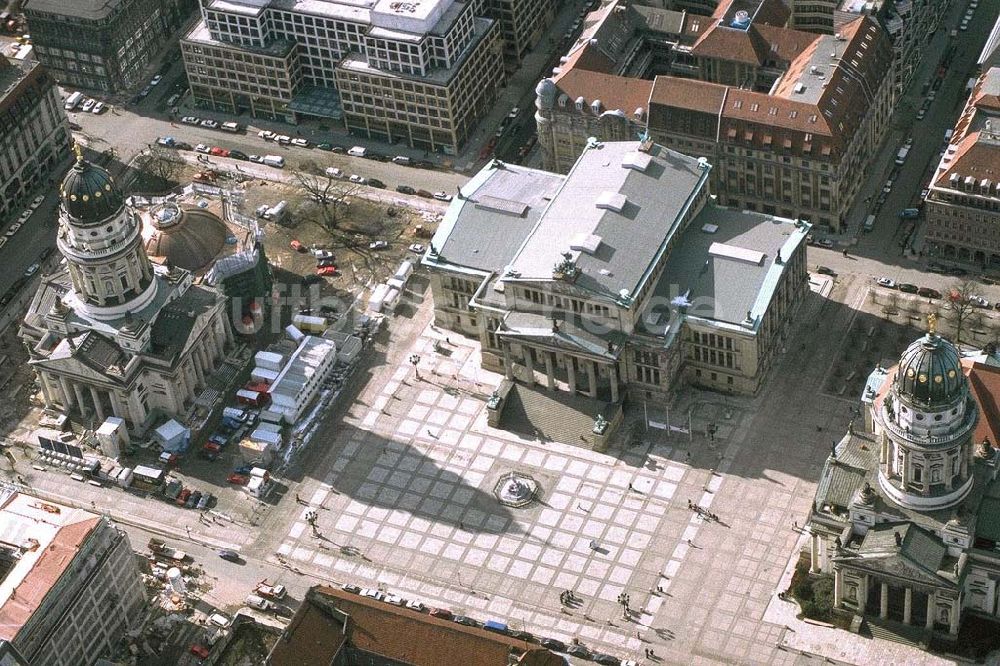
pixel 649 653
pixel 704 513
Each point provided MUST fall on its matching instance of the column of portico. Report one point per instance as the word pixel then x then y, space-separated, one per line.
pixel 78 390
pixel 838 588
pixel 863 597
pixel 97 403
pixel 956 613
pixel 121 411
pixel 529 367
pixel 508 365
pixel 571 373
pixel 883 611
pixel 67 393
pixel 908 605
pixel 814 554
pixel 207 366
pixel 46 396
pixel 550 375
pixel 592 378
pixel 613 372
pixel 199 374
pixel 931 609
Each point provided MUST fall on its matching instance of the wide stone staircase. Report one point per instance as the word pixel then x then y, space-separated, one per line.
pixel 896 631
pixel 551 415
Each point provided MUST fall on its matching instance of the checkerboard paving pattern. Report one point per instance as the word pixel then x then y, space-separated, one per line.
pixel 420 463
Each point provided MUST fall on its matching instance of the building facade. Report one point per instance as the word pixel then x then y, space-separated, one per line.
pixel 423 72
pixel 561 291
pixel 905 510
pixel 35 134
pixel 789 119
pixel 102 45
pixel 70 589
pixel 523 23
pixel 963 204
pixel 110 333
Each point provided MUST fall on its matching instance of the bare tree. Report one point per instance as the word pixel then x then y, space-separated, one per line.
pixel 329 193
pixel 160 163
pixel 960 305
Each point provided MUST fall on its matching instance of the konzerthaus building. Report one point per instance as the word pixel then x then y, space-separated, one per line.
pixel 420 71
pixel 622 276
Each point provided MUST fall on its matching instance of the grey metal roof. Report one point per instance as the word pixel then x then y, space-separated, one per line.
pixel 484 238
pixel 630 239
pixel 719 287
pixel 85 9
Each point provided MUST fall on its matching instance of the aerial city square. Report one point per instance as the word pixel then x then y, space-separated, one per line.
pixel 520 332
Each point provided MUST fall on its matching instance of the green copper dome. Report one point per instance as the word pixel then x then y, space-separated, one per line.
pixel 930 372
pixel 88 193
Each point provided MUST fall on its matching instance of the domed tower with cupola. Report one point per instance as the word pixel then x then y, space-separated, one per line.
pixel 924 428
pixel 101 239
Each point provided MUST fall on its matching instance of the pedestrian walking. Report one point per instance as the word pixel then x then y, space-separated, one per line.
pixel 647 653
pixel 795 524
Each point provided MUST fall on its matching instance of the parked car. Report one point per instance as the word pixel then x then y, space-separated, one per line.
pixel 324 146
pixel 979 301
pixel 577 650
pixel 282 139
pixel 98 108
pixel 373 593
pixel 190 120
pixel 416 606
pixel 888 283
pixel 927 292
pixel 375 182
pixel 219 152
pixel 271 591
pixel 514 113
pixel 416 247
pixel 144 93
pixel 312 278
pixel 326 271
pixel 192 499
pixel 553 644
pixel 351 587
pixel 394 599
pixel 442 613
pixel 199 650
pixel 465 620
pixel 89 105
pixel 825 270
pixel 888 186
pixel 182 496
pixel 238 479
pixel 355 178
pixel 909 214
pixel 908 288
pixel 202 148
pixel 378 245
pixel 209 123
pixel 31 270
pixel 155 81
pixel 825 243
pixel 229 555
pixel 297 246
pixel 405 189
pixel 267 135
pixel 257 159
pixel 238 155
pixel 37 201
pixel 442 196
pixel 205 501
pixel 302 143
pixel 325 263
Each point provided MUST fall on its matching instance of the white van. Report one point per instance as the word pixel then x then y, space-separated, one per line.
pixel 230 126
pixel 401 159
pixel 277 212
pixel 357 151
pixel 73 101
pixel 276 161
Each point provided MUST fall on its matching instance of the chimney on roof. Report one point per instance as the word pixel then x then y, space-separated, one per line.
pixel 899 539
pixel 777 257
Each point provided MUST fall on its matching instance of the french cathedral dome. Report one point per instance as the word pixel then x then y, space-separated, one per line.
pixel 930 372
pixel 89 194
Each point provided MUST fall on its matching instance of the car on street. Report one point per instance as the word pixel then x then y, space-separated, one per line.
pixel 825 243
pixel 302 143
pixel 465 620
pixel 605 659
pixel 205 500
pixel 324 146
pixel 144 93
pixel 190 120
pixel 514 113
pixel 326 271
pixel 37 201
pixel 88 105
pixel 442 613
pixel 297 246
pixel 373 593
pixel 908 288
pixel 553 644
pixel 375 182
pixel 888 283
pixel 378 245
pixel 31 270
pixel 257 159
pixel 182 496
pixel 934 267
pixel 321 253
pixel 825 270
pixel 979 301
pixel 359 180
pixel 888 186
pixel 209 123
pixel 442 196
pixel 199 650
pixel 229 555
pixel 219 152
pixel 202 148
pixel 323 263
pixel 924 193
pixel 416 247
pixel 267 135
pixel 155 81
pixel 25 215
pixel 338 149
pixel 98 108
pixel 282 139
pixel 927 292
pixel 416 606
pixel 394 599
pixel 271 591
pixel 192 499
pixel 351 587
pixel 238 155
pixel 909 214
pixel 405 189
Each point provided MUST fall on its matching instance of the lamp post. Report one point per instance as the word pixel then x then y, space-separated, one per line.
pixel 414 360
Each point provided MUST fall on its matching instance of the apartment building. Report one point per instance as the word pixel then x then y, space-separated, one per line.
pixel 102 45
pixel 523 23
pixel 620 278
pixel 789 119
pixel 69 586
pixel 422 71
pixel 963 206
pixel 35 134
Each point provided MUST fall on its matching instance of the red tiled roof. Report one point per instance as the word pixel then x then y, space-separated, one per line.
pixel 725 43
pixel 615 92
pixel 973 157
pixel 984 384
pixel 49 567
pixel 406 636
pixel 688 94
pixel 787 44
